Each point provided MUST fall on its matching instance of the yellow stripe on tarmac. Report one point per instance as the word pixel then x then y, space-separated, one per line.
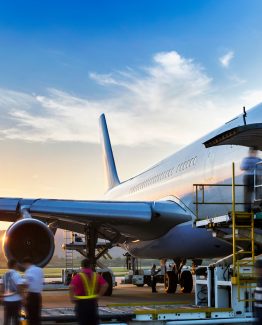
pixel 150 303
pixel 181 310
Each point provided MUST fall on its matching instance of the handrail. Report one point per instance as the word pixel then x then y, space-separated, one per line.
pixel 201 201
pixel 258 176
pixel 241 221
pixel 234 218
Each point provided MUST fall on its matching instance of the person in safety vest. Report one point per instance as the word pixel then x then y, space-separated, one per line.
pixel 84 290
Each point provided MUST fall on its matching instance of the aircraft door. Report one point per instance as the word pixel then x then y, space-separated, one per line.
pixel 210 193
pixel 210 167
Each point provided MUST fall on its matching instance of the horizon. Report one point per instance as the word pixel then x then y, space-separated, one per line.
pixel 154 69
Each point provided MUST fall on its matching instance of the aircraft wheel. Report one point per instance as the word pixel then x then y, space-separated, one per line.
pixel 170 282
pixel 108 277
pixel 186 281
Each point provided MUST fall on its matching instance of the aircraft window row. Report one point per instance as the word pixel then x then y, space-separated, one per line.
pixel 152 180
pixel 166 174
pixel 186 164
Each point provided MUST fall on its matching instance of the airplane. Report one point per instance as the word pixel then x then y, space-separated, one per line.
pixel 151 215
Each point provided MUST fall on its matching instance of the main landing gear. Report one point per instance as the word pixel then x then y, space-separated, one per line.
pixel 179 276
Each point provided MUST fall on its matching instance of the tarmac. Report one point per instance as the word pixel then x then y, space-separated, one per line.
pixel 122 294
pixel 56 296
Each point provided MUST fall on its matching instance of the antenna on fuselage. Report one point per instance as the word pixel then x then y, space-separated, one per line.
pixel 244 115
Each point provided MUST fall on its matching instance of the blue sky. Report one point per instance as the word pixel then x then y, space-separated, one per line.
pixel 154 67
pixel 56 43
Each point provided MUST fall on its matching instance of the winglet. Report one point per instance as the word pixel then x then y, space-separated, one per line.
pixel 108 157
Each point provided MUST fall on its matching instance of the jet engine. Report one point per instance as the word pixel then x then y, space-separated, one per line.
pixel 29 238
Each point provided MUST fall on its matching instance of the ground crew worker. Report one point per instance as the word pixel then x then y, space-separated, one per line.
pixel 77 238
pixel 84 290
pixel 11 288
pixel 154 273
pixel 34 278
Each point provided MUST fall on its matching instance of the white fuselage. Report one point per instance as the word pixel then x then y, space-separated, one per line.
pixel 174 177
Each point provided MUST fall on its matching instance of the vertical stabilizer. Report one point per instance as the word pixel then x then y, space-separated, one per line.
pixel 108 157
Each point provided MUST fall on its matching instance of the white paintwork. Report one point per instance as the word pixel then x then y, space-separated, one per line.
pixel 175 177
pixel 131 213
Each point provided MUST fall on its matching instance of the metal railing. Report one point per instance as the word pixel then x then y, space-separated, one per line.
pixel 258 182
pixel 69 254
pixel 240 221
pixel 200 199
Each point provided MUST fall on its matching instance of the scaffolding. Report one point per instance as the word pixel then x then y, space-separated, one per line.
pixel 242 237
pixel 69 253
pixel 258 183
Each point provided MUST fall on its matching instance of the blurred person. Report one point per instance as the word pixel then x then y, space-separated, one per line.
pixel 248 164
pixel 34 278
pixel 84 290
pixel 77 238
pixel 11 290
pixel 154 273
pixel 258 293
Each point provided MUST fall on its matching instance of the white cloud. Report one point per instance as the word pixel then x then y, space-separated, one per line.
pixel 236 80
pixel 171 100
pixel 252 97
pixel 226 59
pixel 103 79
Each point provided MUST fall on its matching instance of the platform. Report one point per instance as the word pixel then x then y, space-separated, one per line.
pixel 142 312
pixel 132 305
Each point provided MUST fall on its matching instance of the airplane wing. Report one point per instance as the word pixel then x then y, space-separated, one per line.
pixel 35 221
pixel 136 220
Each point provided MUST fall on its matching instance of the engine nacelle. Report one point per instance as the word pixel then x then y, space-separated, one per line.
pixel 29 238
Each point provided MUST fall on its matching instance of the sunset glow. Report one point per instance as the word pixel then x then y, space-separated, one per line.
pixel 164 74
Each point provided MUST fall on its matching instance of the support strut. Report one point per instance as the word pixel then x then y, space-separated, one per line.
pixel 89 248
pixel 91 241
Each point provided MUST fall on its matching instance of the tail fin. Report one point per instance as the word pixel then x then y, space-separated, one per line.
pixel 108 157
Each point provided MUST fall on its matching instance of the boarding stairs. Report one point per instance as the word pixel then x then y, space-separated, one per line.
pixel 69 254
pixel 237 228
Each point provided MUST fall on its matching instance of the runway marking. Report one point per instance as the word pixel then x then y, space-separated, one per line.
pixel 141 303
